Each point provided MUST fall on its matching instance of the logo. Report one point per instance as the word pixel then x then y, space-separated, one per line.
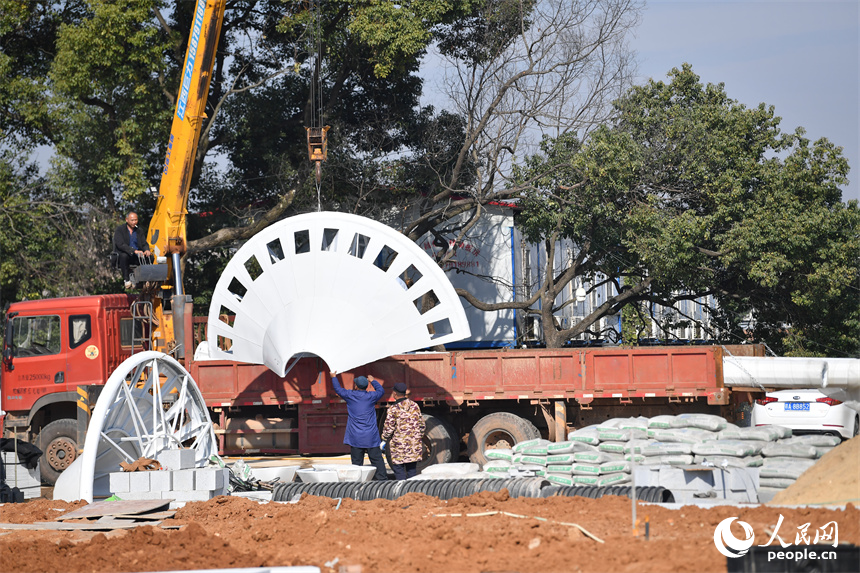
pixel 728 544
pixel 92 352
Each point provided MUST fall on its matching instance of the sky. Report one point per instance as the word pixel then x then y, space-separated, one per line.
pixel 801 57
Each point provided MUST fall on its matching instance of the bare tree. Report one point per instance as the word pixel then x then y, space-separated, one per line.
pixel 517 72
pixel 520 71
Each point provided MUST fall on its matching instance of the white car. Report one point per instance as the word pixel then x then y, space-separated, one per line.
pixel 806 412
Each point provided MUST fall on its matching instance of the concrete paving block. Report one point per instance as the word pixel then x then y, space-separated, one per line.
pixel 209 478
pixel 139 481
pixel 161 481
pixel 177 459
pixel 183 480
pixel 120 482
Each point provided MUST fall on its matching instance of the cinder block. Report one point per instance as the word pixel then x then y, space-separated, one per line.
pixel 19 476
pixel 119 482
pixel 161 481
pixel 177 459
pixel 224 489
pixel 138 495
pixel 32 492
pixel 139 481
pixel 199 495
pixel 211 479
pixel 183 480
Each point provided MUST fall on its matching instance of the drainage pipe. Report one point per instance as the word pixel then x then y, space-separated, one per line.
pixel 443 488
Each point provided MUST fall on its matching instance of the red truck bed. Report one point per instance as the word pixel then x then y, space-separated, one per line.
pixel 457 377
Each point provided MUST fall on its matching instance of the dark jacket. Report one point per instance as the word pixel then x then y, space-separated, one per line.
pixel 361 428
pixel 122 240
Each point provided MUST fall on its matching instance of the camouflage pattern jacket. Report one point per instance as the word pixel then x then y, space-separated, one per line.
pixel 403 430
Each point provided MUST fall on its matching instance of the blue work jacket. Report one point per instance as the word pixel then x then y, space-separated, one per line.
pixel 361 428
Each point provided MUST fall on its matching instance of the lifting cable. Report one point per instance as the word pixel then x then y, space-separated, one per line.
pixel 316 132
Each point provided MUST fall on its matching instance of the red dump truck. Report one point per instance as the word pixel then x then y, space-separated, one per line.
pixel 58 352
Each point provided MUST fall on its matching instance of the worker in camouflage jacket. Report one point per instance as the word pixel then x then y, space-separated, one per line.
pixel 403 432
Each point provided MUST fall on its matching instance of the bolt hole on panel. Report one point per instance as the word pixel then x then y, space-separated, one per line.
pixel 342 287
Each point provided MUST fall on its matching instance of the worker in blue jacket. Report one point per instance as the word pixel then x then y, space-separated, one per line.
pixel 362 432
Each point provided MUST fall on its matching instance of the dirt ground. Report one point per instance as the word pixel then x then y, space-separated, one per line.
pixel 420 533
pixel 413 533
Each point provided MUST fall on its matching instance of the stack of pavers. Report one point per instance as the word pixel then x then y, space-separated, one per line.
pixel 27 480
pixel 178 480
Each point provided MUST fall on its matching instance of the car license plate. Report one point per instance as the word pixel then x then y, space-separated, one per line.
pixel 797 406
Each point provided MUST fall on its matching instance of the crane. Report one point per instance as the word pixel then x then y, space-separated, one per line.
pixel 164 303
pixel 164 299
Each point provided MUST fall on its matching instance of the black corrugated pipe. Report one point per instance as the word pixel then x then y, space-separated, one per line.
pixel 443 489
pixel 652 494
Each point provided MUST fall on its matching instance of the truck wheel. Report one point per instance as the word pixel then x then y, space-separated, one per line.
pixel 58 442
pixel 495 428
pixel 440 444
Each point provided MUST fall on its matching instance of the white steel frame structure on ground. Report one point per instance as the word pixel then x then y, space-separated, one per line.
pixel 149 404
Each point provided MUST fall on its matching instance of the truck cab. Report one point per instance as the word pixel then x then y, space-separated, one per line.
pixel 50 349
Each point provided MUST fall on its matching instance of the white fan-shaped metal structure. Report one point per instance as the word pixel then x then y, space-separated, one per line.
pixel 342 287
pixel 149 404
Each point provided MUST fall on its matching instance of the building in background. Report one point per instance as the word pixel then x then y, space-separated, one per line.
pixel 496 264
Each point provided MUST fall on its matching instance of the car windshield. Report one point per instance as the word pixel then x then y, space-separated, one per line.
pixel 35 336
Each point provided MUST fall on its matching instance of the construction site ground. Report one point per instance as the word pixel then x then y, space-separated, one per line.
pixel 483 532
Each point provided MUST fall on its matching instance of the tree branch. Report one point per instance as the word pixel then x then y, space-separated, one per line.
pixel 229 234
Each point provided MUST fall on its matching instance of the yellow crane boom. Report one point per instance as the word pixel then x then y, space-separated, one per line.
pixel 167 228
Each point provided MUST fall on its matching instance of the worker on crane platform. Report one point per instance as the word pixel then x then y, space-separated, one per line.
pixel 129 245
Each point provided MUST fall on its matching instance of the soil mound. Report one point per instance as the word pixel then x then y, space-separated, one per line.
pixel 833 480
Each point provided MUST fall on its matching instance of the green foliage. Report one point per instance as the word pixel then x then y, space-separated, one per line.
pixel 397 32
pixel 702 195
pixel 486 30
pixel 95 80
pixel 47 248
pixel 105 84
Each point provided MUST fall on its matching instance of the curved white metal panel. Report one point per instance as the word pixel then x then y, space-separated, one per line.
pixel 342 287
pixel 136 417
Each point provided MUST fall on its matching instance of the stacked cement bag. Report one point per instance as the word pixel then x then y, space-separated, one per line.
pixel 738 447
pixel 451 470
pixel 561 458
pixel 728 453
pixel 530 457
pixel 595 455
pixel 633 449
pixel 673 437
pixel 500 462
pixel 786 459
pixel 605 454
